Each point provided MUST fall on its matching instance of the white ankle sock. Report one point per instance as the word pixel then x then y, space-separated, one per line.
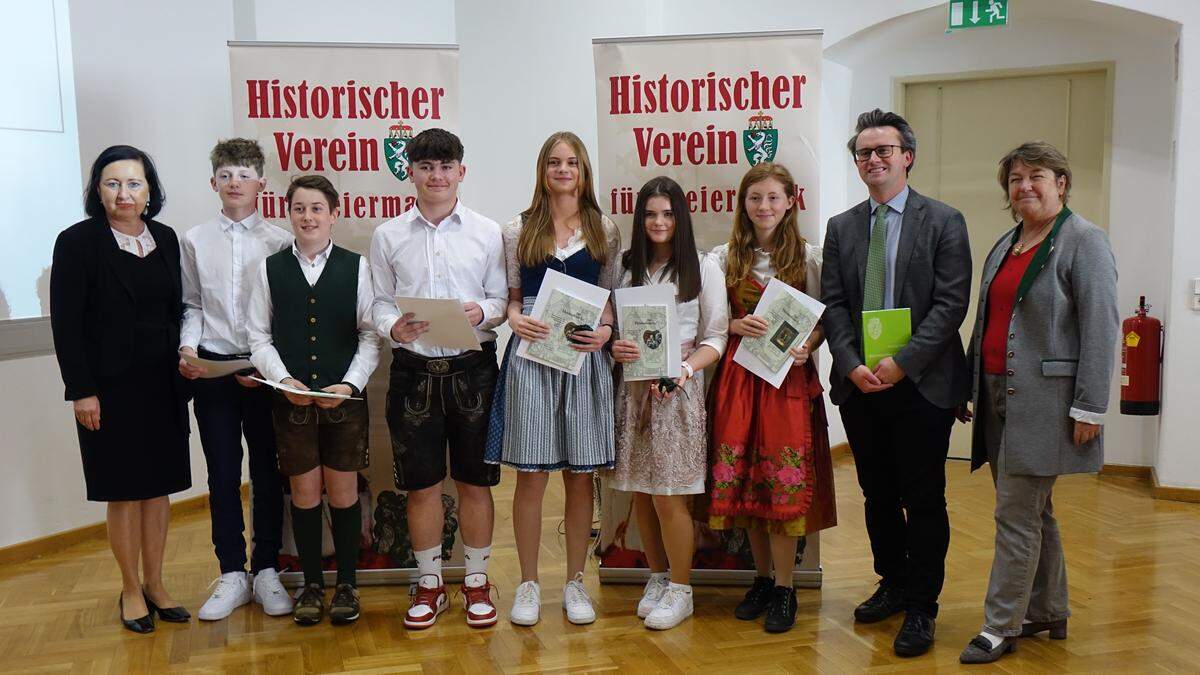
pixel 476 560
pixel 429 564
pixel 686 588
pixel 995 640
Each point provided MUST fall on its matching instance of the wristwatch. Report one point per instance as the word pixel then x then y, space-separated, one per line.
pixel 691 372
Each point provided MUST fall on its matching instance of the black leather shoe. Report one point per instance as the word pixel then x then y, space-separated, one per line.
pixel 171 614
pixel 781 611
pixel 755 603
pixel 915 636
pixel 142 624
pixel 1058 629
pixel 886 601
pixel 980 650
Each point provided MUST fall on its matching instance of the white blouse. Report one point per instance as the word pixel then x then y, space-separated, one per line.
pixel 142 245
pixel 705 318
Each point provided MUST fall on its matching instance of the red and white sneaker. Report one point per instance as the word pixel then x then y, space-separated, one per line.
pixel 477 600
pixel 427 603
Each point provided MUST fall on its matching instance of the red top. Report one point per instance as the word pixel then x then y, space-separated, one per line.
pixel 1002 297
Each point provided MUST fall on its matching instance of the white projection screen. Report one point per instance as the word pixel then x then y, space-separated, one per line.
pixel 41 189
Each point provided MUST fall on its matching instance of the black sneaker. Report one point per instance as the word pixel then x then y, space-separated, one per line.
pixel 886 601
pixel 344 606
pixel 755 603
pixel 310 605
pixel 781 611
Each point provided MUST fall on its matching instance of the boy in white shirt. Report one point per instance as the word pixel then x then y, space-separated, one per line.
pixel 219 259
pixel 439 397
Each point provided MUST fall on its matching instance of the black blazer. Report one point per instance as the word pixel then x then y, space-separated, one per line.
pixel 92 307
pixel 933 279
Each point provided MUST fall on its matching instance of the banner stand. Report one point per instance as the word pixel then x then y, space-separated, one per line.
pixel 808 574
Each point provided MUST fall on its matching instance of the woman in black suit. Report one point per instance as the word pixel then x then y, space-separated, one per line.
pixel 115 309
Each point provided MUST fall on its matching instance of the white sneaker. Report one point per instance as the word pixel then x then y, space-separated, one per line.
pixel 655 587
pixel 576 602
pixel 675 606
pixel 527 605
pixel 233 591
pixel 269 593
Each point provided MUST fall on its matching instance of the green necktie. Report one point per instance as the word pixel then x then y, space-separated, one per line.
pixel 876 274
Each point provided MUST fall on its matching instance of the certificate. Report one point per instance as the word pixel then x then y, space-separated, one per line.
pixel 565 303
pixel 214 368
pixel 656 333
pixel 646 326
pixel 315 393
pixel 448 325
pixel 791 317
pixel 885 332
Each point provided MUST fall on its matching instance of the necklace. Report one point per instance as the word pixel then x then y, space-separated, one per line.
pixel 1022 245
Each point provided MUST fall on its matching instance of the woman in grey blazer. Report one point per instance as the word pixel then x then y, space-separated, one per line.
pixel 1041 360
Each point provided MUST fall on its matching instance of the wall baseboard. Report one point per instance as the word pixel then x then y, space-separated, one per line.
pixel 1149 475
pixel 52 543
pixel 839 450
pixel 1126 470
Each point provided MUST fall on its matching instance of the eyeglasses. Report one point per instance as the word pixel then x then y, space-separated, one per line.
pixel 882 152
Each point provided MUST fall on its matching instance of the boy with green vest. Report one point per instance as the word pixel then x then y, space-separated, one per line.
pixel 309 323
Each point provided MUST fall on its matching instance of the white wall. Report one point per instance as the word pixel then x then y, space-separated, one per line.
pixel 1142 48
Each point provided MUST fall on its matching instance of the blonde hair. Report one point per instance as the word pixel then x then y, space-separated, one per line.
pixel 787 245
pixel 537 230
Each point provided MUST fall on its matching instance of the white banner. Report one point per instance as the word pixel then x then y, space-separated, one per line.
pixel 703 110
pixel 346 112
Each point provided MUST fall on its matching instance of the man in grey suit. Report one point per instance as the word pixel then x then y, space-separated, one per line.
pixel 899 249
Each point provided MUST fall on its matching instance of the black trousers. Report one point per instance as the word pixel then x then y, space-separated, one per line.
pixel 225 411
pixel 900 441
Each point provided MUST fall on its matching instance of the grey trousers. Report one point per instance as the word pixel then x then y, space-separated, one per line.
pixel 1029 575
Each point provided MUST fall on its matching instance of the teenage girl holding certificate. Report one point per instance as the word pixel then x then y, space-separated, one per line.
pixel 661 434
pixel 771 470
pixel 546 419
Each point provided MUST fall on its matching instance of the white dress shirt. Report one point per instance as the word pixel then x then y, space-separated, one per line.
pixel 705 318
pixel 461 258
pixel 219 260
pixel 258 321
pixel 130 244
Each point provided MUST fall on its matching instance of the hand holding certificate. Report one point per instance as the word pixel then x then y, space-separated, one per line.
pixel 447 322
pixel 213 368
pixel 565 304
pixel 649 318
pixel 314 393
pixel 791 317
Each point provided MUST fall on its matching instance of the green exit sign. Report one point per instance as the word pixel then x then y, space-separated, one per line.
pixel 978 13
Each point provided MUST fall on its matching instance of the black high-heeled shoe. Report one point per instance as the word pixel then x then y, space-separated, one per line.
pixel 142 624
pixel 170 614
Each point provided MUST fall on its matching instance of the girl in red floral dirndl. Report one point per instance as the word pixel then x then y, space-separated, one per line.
pixel 771 472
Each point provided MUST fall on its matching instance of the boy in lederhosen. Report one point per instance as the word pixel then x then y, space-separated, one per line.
pixel 437 396
pixel 310 328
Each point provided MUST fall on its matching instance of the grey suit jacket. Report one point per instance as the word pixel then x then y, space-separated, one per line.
pixel 1061 341
pixel 933 279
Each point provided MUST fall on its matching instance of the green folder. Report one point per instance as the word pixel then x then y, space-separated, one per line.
pixel 885 332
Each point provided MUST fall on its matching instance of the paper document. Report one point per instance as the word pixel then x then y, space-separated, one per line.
pixel 564 303
pixel 791 317
pixel 649 317
pixel 885 332
pixel 214 368
pixel 448 325
pixel 303 392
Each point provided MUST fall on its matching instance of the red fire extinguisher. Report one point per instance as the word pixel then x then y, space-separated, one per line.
pixel 1141 362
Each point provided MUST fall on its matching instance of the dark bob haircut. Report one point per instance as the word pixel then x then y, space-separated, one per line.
pixel 115 153
pixel 436 145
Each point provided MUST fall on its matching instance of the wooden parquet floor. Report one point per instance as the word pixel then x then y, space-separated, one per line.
pixel 1133 567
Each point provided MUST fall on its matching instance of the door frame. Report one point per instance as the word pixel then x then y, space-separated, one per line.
pixel 900 84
